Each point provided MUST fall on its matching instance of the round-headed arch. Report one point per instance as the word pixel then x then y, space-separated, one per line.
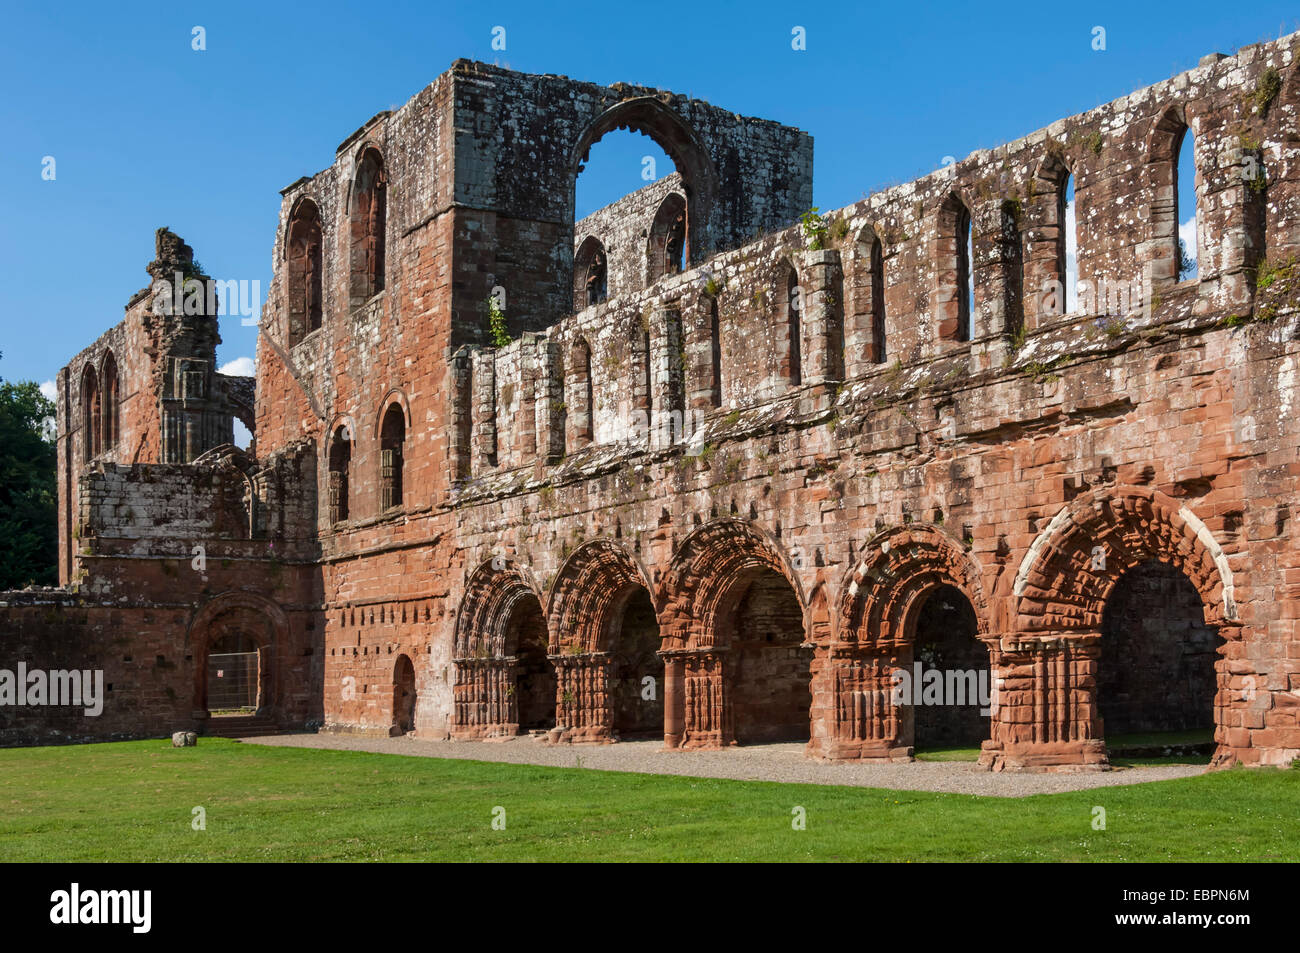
pixel 1073 565
pixel 593 583
pixel 398 397
pixel 698 590
pixel 248 614
pixel 492 594
pixel 653 118
pixel 899 568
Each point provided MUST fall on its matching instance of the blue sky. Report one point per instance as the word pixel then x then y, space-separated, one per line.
pixel 145 131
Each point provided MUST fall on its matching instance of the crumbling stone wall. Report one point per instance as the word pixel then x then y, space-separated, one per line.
pixel 682 439
pixel 624 230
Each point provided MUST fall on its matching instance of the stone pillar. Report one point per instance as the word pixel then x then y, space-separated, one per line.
pixel 667 359
pixel 821 322
pixel 674 699
pixel 583 708
pixel 855 717
pixel 460 428
pixel 1045 714
pixel 548 404
pixel 484 439
pixel 484 702
pixel 706 709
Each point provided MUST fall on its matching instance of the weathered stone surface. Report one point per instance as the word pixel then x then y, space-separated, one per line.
pixel 766 464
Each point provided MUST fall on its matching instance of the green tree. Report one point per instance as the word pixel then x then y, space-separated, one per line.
pixel 28 489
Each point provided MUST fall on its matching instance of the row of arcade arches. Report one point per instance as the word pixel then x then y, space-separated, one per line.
pixel 728 648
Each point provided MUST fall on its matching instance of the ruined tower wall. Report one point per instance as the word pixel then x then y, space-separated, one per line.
pixel 623 230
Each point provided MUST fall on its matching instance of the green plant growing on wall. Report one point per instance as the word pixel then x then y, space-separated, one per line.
pixel 814 229
pixel 1267 87
pixel 498 333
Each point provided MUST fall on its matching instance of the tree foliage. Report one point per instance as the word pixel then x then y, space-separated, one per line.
pixel 28 488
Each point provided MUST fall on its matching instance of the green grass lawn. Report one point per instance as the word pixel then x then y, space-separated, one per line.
pixel 134 801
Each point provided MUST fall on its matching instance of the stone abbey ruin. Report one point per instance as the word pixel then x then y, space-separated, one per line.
pixel 732 470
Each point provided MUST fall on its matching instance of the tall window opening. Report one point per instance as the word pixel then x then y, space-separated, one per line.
pixel 392 438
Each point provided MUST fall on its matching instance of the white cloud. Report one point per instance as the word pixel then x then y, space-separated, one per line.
pixel 1187 233
pixel 49 391
pixel 242 437
pixel 239 367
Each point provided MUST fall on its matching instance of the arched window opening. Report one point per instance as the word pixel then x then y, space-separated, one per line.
pixel 955 290
pixel 666 246
pixel 91 433
pixel 624 175
pixel 950 705
pixel 1171 179
pixel 366 222
pixel 965 277
pixel 304 299
pixel 1185 191
pixel 792 296
pixel 1012 255
pixel 591 274
pixel 340 468
pixel 879 346
pixel 1067 256
pixel 110 402
pixel 392 438
pixel 715 355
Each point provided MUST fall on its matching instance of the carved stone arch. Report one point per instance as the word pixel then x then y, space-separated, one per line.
pixel 667 250
pixel 586 594
pixel 394 396
pixel 492 593
pixel 901 567
pixel 651 117
pixel 1074 564
pixel 253 615
pixel 304 206
pixel 344 420
pixel 705 568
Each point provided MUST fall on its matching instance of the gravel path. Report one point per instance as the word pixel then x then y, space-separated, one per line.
pixel 772 762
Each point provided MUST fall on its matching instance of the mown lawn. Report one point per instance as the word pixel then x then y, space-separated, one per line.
pixel 134 801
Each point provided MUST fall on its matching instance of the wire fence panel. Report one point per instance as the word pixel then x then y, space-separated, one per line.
pixel 232 681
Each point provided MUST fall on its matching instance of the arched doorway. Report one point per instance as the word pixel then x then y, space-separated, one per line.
pixel 534 687
pixel 404 696
pixel 605 646
pixel 636 672
pixel 1157 668
pixel 949 683
pixel 769 667
pixel 234 627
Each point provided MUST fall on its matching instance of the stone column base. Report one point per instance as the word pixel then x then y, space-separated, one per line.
pixel 1062 757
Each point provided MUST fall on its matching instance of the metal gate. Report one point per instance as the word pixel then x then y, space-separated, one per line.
pixel 232 681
